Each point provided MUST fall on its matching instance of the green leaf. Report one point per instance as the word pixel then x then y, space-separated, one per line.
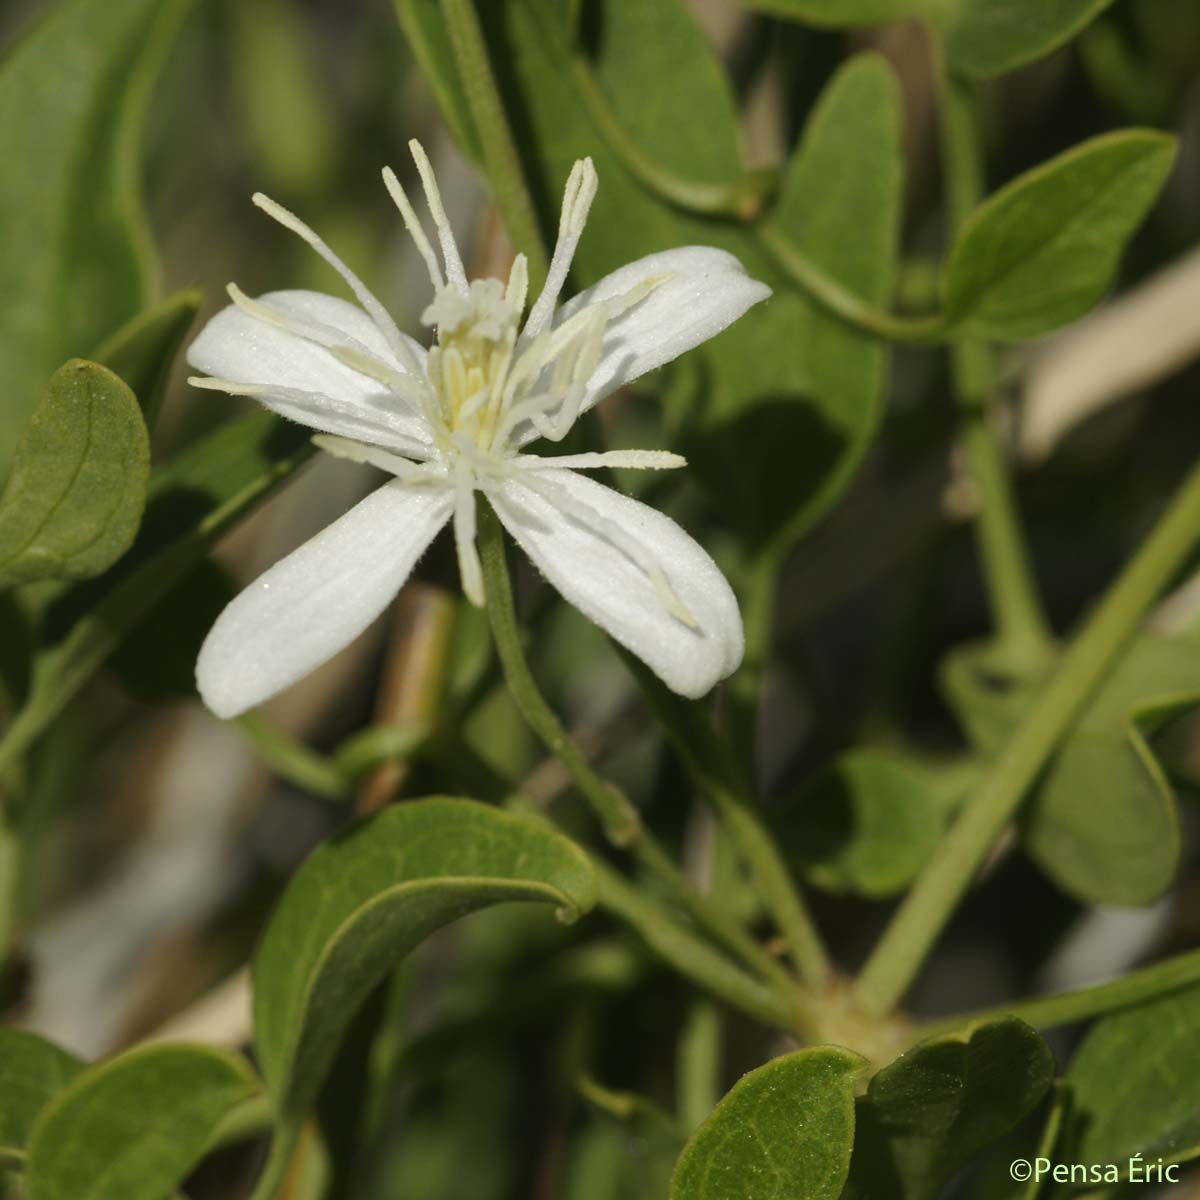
pixel 986 695
pixel 73 501
pixel 983 37
pixel 429 39
pixel 866 825
pixel 638 41
pixel 841 14
pixel 1135 1084
pixel 291 130
pixel 937 1106
pixel 783 1132
pixel 839 205
pixel 364 900
pixel 192 501
pixel 143 350
pixel 1042 250
pixel 132 1128
pixel 988 37
pixel 1102 820
pixel 32 1072
pixel 784 367
pixel 76 257
pixel 1104 823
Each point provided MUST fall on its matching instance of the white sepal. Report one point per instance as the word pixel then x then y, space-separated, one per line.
pixel 580 555
pixel 237 348
pixel 699 292
pixel 316 601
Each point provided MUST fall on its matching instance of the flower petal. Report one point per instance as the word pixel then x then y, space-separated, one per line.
pixel 311 604
pixel 706 291
pixel 238 347
pixel 579 556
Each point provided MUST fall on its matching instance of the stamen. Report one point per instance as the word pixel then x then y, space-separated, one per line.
pixel 623 302
pixel 375 310
pixel 518 284
pixel 582 334
pixel 548 346
pixel 450 255
pixel 416 230
pixel 469 567
pixel 340 345
pixel 361 452
pixel 290 402
pixel 577 202
pixel 637 460
pixel 573 368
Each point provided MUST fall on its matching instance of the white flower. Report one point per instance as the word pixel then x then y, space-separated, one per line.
pixel 453 421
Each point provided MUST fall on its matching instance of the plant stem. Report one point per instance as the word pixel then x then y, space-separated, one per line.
pixel 690 956
pixel 709 761
pixel 928 906
pixel 840 300
pixel 275 1170
pixel 1021 625
pixel 10 882
pixel 698 1073
pixel 774 882
pixel 1081 1004
pixel 621 821
pixel 500 159
pixel 292 760
pixel 742 198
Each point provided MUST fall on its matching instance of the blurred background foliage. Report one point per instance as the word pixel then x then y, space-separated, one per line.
pixel 157 837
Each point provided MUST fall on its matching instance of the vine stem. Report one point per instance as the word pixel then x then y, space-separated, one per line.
pixel 693 958
pixel 500 160
pixel 744 199
pixel 621 822
pixel 775 883
pixel 926 909
pixel 840 300
pixel 698 1064
pixel 1020 622
pixel 711 763
pixel 10 879
pixel 1081 1004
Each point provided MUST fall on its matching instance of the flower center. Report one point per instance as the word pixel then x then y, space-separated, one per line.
pixel 477 332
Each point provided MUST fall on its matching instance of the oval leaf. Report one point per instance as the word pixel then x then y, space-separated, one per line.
pixel 989 37
pixel 783 1132
pixel 72 504
pixel 362 901
pixel 1135 1084
pixel 937 1106
pixel 32 1072
pixel 192 500
pixel 866 825
pixel 839 206
pixel 815 407
pixel 429 40
pixel 133 1127
pixel 1043 249
pixel 75 257
pixel 1102 820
